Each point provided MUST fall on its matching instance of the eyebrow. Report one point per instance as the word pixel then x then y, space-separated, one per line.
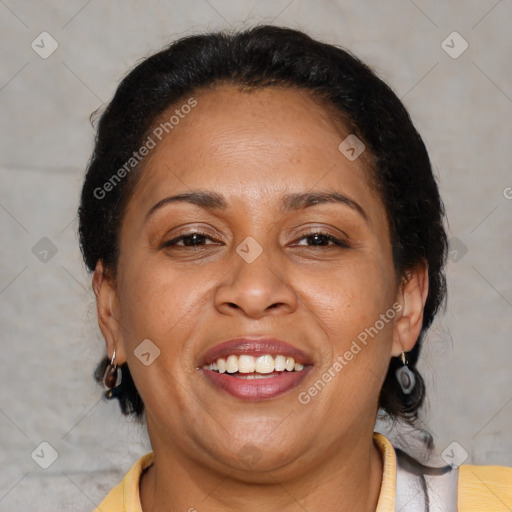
pixel 291 202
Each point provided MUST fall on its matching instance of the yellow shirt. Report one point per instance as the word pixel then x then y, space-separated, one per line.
pixel 480 488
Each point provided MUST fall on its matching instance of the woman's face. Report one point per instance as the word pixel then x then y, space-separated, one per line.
pixel 257 270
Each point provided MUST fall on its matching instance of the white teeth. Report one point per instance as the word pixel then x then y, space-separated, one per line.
pixel 254 366
pixel 252 376
pixel 290 364
pixel 279 363
pixel 232 364
pixel 246 364
pixel 265 364
pixel 221 364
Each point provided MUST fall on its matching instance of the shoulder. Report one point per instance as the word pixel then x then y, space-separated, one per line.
pixel 124 497
pixel 485 488
pixel 466 488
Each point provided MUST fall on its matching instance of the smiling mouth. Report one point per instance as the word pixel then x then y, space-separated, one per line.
pixel 255 367
pixel 256 377
pixel 248 366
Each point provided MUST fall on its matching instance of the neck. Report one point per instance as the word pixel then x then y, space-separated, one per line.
pixel 347 479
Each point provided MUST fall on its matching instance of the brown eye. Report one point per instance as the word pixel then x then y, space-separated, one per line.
pixel 319 239
pixel 192 239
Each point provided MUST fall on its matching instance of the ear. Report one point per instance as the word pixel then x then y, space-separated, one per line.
pixel 108 312
pixel 411 296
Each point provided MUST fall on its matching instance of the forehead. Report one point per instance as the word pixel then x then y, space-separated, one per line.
pixel 251 145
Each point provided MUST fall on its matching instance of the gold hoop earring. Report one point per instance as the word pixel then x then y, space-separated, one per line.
pixel 112 378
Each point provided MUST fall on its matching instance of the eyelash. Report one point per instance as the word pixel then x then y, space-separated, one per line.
pixel 336 241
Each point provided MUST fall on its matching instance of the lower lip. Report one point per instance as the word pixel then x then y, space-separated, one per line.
pixel 257 389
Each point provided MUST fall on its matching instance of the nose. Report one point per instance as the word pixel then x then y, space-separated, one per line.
pixel 256 289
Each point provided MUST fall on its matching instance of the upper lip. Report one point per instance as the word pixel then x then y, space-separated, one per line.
pixel 255 346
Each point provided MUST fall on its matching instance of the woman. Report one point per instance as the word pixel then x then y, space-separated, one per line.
pixel 268 249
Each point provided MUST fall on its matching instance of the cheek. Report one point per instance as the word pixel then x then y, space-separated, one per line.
pixel 349 298
pixel 165 306
pixel 159 303
pixel 355 311
pixel 348 302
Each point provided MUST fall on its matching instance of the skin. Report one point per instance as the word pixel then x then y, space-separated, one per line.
pixel 252 148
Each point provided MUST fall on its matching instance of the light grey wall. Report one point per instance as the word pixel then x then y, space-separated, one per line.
pixel 50 342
